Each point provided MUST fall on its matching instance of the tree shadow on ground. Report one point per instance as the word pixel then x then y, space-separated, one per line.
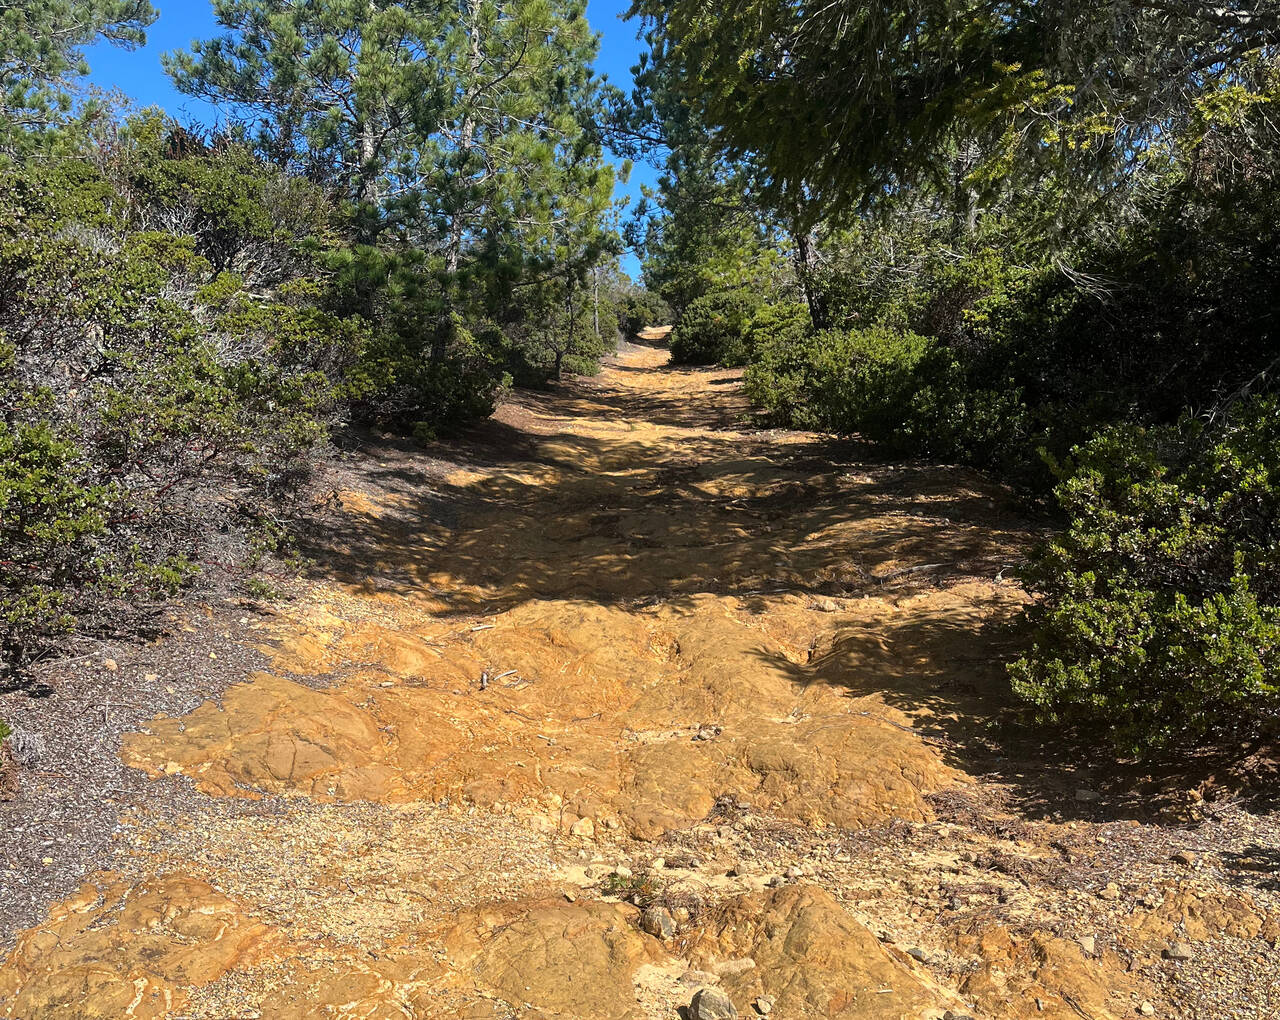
pixel 945 669
pixel 561 498
pixel 618 519
pixel 1257 865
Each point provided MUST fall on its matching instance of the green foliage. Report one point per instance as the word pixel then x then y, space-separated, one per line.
pixel 41 59
pixel 261 589
pixel 699 230
pixel 474 197
pixel 244 218
pixel 702 239
pixel 51 519
pixel 926 376
pixel 713 329
pixel 843 381
pixel 780 324
pixel 1171 313
pixel 968 99
pixel 423 395
pixel 157 413
pixel 640 310
pixel 1160 618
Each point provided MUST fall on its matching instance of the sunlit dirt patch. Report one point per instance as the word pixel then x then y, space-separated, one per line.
pixel 634 718
pixel 130 951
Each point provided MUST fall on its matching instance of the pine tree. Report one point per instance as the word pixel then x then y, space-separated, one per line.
pixel 41 57
pixel 853 105
pixel 441 116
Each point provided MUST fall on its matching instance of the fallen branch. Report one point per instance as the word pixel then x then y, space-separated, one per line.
pixel 882 579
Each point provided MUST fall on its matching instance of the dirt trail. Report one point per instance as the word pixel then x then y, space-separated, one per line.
pixel 628 656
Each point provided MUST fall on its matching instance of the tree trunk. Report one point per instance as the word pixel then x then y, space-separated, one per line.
pixel 806 269
pixel 568 341
pixel 457 222
pixel 595 312
pixel 964 200
pixel 369 193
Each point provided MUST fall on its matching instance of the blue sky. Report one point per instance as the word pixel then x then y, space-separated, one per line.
pixel 139 75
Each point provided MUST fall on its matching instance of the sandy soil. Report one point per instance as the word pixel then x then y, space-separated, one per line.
pixel 620 699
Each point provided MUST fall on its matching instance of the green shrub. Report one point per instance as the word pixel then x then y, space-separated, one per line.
pixel 778 325
pixel 641 309
pixel 1138 323
pixel 546 342
pixel 841 381
pixel 417 393
pixel 713 329
pixel 858 378
pixel 778 339
pixel 1159 618
pixel 160 419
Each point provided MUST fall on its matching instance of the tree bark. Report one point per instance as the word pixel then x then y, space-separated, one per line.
pixel 369 194
pixel 806 269
pixel 457 222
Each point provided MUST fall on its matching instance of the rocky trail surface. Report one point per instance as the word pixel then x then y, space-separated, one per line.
pixel 625 709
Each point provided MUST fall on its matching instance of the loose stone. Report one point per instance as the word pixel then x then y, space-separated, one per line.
pixel 659 923
pixel 712 1004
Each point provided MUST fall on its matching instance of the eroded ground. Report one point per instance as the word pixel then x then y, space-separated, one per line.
pixel 633 701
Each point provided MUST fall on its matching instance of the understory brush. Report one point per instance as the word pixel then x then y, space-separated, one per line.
pixel 183 327
pixel 1160 611
pixel 638 310
pixel 1128 388
pixel 165 391
pixel 713 329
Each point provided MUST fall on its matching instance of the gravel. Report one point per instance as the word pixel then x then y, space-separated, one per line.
pixel 71 789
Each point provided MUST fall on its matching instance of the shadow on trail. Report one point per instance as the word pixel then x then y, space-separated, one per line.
pixel 945 669
pixel 573 503
pixel 651 400
pixel 636 492
pixel 618 520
